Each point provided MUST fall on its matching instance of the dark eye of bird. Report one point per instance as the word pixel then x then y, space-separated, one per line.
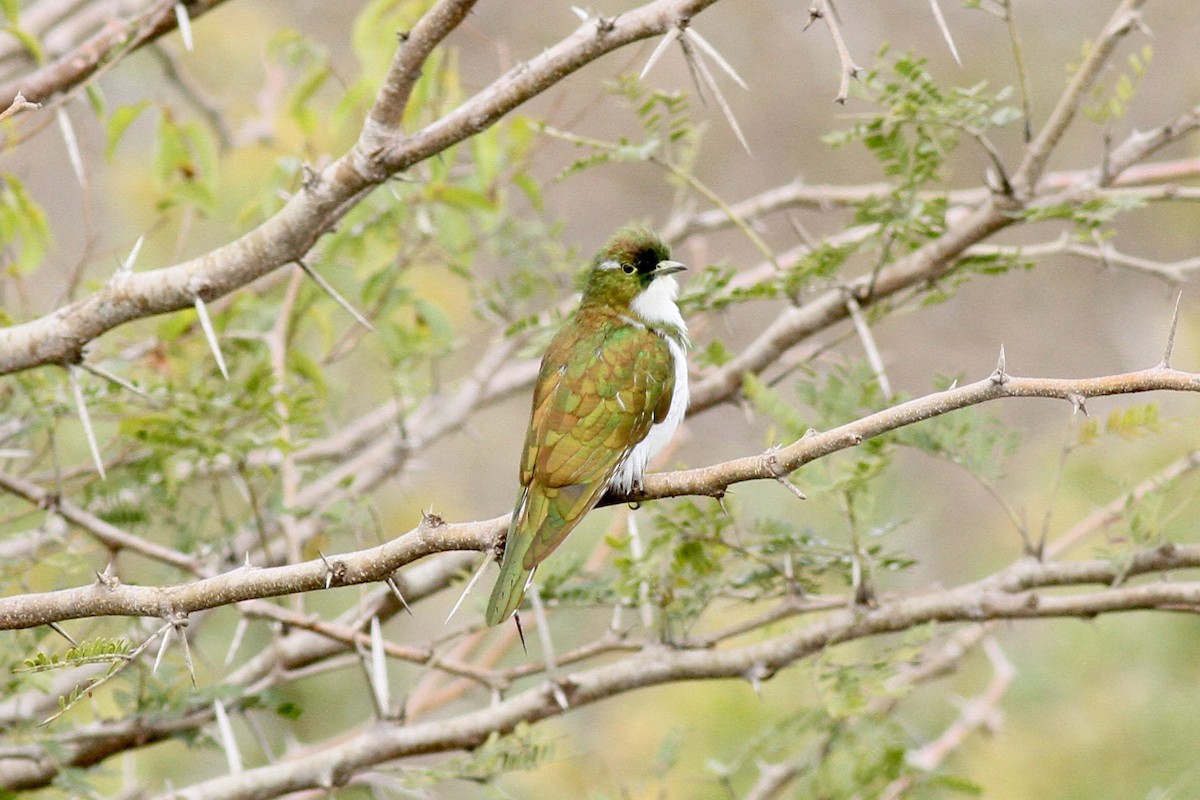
pixel 628 269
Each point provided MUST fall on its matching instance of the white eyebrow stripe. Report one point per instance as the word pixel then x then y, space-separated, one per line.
pixel 610 264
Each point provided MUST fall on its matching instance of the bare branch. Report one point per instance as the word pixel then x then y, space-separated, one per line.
pixel 1123 20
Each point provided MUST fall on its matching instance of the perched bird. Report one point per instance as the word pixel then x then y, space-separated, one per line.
pixel 611 391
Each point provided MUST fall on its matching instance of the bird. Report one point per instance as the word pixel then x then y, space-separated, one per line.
pixel 610 393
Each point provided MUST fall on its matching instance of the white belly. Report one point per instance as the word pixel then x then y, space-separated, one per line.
pixel 629 473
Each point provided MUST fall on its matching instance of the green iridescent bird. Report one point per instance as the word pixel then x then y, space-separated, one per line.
pixel 611 391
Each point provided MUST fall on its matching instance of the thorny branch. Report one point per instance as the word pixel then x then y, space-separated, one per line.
pixel 433 535
pixel 369 450
pixel 287 236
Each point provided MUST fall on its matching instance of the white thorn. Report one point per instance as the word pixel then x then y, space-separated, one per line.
pixel 391 582
pixel 211 335
pixel 225 734
pixel 127 264
pixel 379 679
pixel 543 628
pixel 337 298
pixel 868 342
pixel 86 419
pixel 707 76
pixel 579 12
pixel 470 585
pixel 725 66
pixel 638 551
pixel 658 51
pixel 239 633
pixel 72 144
pixel 162 648
pixel 185 25
pixel 100 372
pixel 187 656
pixel 941 22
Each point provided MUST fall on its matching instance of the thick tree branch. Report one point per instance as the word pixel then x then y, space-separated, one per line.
pixel 433 535
pixel 1006 595
pixel 60 337
pixel 105 47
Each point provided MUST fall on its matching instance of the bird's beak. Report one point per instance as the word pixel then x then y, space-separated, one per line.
pixel 668 267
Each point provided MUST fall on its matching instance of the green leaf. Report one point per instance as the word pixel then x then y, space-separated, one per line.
pixel 119 122
pixel 23 226
pixel 29 42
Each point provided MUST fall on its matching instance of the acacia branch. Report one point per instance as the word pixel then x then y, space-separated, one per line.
pixel 60 337
pixel 826 197
pixel 111 42
pixel 1006 595
pixel 106 598
pixel 1038 153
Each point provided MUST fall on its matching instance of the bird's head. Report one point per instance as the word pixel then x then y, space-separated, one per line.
pixel 629 264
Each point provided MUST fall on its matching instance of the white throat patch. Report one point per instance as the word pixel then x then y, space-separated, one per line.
pixel 656 305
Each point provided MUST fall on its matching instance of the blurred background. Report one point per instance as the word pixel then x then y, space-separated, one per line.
pixel 1099 709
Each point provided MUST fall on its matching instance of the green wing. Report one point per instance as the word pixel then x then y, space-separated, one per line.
pixel 602 384
pixel 601 392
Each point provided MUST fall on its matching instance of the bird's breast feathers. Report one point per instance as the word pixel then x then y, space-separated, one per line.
pixel 656 308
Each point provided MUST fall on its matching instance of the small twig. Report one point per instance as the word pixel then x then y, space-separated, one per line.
pixel 18 105
pixel 1022 71
pixel 824 10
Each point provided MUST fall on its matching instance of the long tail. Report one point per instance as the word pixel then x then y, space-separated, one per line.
pixel 514 577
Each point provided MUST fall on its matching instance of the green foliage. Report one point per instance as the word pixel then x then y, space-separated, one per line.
pixel 680 563
pixel 119 122
pixel 1091 216
pixel 1108 104
pixel 1129 423
pixel 919 124
pixel 100 650
pixel 24 231
pixel 916 128
pixel 312 68
pixel 523 749
pixel 185 164
pixel 972 438
pixel 668 135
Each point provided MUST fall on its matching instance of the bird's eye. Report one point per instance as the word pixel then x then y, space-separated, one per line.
pixel 628 269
